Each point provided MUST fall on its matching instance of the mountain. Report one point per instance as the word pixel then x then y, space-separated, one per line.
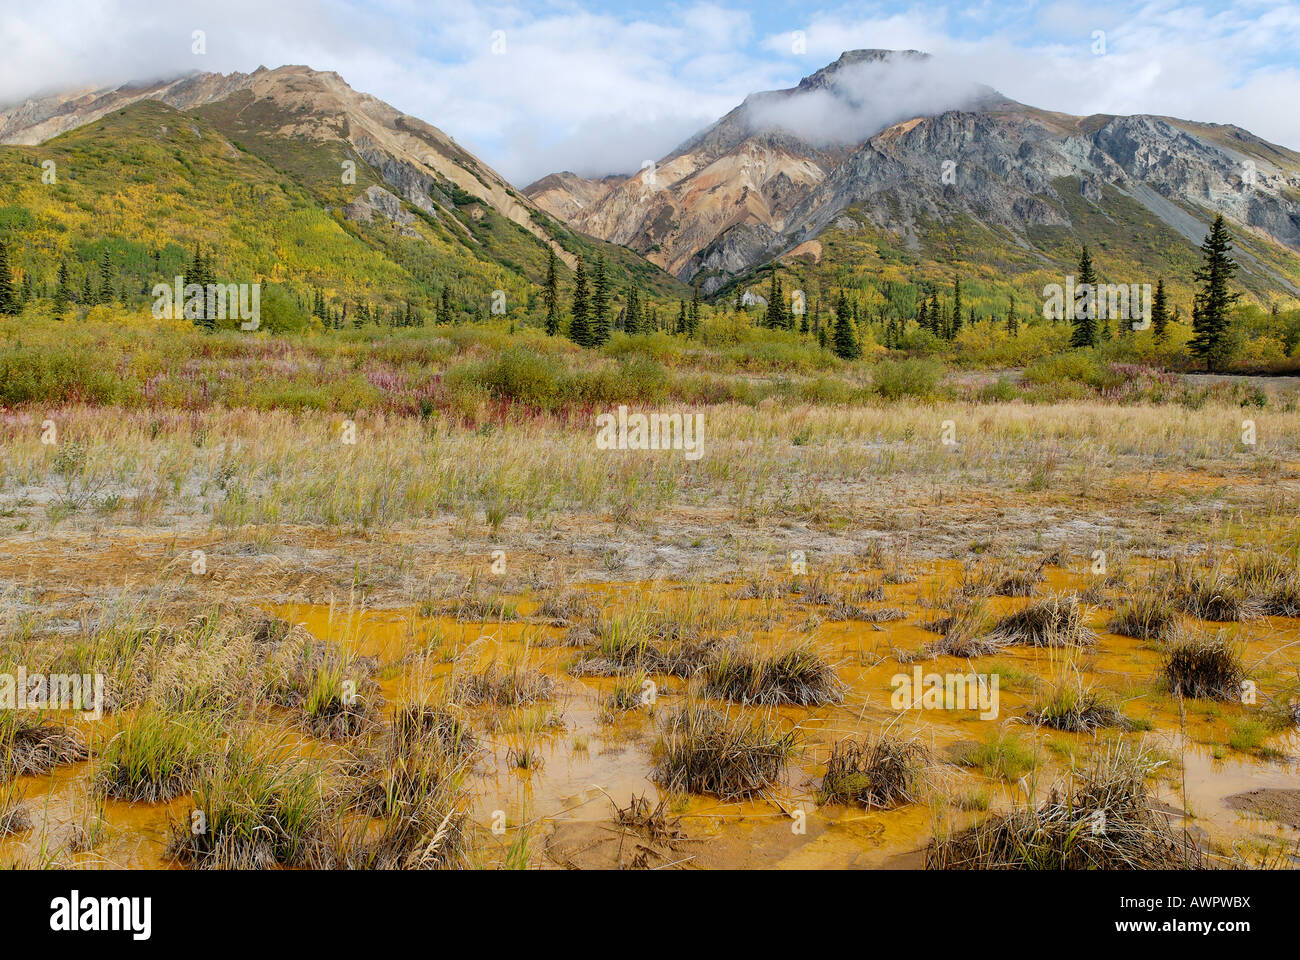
pixel 279 167
pixel 887 150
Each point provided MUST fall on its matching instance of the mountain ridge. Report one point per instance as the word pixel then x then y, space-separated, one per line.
pixel 1005 158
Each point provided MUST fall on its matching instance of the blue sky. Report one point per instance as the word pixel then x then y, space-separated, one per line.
pixel 601 85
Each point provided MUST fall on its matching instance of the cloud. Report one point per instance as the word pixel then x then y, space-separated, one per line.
pixel 865 98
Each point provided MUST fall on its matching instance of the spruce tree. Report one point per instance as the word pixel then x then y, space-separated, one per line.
pixel 632 317
pixel 681 319
pixel 8 301
pixel 956 307
pixel 106 279
pixel 1160 313
pixel 776 315
pixel 694 315
pixel 551 297
pixel 1085 318
pixel 846 344
pixel 579 329
pixel 1013 321
pixel 64 292
pixel 1210 327
pixel 599 319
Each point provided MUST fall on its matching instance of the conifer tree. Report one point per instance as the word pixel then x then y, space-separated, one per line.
pixel 956 307
pixel 694 316
pixel 8 304
pixel 632 317
pixel 63 292
pixel 1160 313
pixel 681 319
pixel 551 297
pixel 846 344
pixel 106 278
pixel 599 320
pixel 1209 341
pixel 579 329
pixel 1013 321
pixel 1085 332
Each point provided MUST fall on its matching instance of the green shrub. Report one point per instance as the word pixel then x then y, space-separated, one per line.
pixel 906 378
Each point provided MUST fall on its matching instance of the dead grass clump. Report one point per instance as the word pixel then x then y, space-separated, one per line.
pixel 795 675
pixel 637 643
pixel 411 794
pixel 883 615
pixel 419 722
pixel 30 744
pixel 256 807
pixel 653 823
pixel 882 772
pixel 563 607
pixel 896 575
pixel 703 750
pixel 1075 707
pixel 1201 665
pixel 14 815
pixel 341 701
pixel 1002 580
pixel 964 632
pixel 504 686
pixel 1102 819
pixel 1051 622
pixel 1207 594
pixel 1272 582
pixel 1148 616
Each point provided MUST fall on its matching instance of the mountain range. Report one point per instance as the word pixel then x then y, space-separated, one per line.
pixel 880 168
pixel 784 172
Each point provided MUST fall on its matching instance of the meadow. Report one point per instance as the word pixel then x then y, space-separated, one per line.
pixel 381 601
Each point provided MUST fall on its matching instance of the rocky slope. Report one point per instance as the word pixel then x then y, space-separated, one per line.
pixel 783 167
pixel 285 113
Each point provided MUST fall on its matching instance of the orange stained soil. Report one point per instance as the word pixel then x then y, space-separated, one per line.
pixel 591 760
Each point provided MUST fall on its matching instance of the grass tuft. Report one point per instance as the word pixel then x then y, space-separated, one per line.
pixel 703 750
pixel 883 772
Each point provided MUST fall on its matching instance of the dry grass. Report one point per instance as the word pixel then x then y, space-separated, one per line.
pixel 795 675
pixel 1148 616
pixel 1208 594
pixel 1051 622
pixel 504 686
pixel 1072 705
pixel 730 756
pixel 1002 580
pixel 1271 581
pixel 1100 819
pixel 1203 665
pixel 31 744
pixel 964 632
pixel 881 772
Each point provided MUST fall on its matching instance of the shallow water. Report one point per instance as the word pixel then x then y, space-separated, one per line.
pixel 590 763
